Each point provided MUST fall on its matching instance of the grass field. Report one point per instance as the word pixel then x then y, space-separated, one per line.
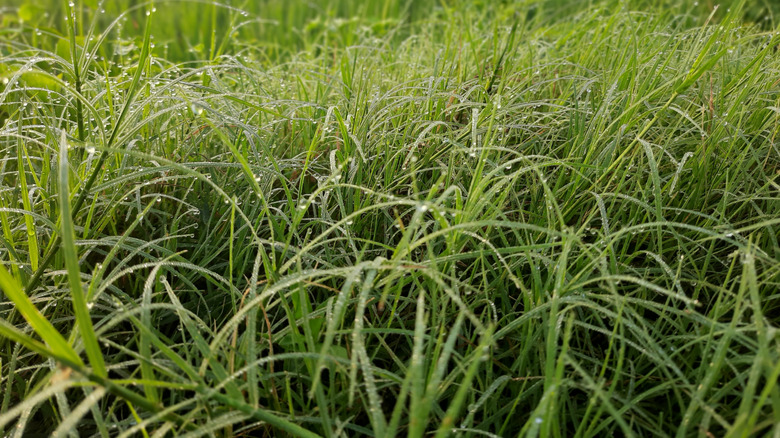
pixel 550 218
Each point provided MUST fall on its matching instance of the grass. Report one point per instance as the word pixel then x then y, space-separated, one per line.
pixel 539 218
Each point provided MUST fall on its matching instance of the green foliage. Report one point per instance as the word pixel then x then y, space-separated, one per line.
pixel 340 218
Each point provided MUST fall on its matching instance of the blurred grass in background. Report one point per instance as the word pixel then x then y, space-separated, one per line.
pixel 274 30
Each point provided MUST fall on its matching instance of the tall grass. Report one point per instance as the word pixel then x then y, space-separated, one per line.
pixel 549 218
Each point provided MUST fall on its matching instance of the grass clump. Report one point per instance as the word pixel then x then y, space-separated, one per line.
pixel 545 218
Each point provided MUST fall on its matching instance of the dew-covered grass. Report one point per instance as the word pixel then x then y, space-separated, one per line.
pixel 427 218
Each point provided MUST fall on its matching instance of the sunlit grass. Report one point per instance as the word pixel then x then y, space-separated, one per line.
pixel 394 218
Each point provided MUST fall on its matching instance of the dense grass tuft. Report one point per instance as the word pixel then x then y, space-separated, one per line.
pixel 538 218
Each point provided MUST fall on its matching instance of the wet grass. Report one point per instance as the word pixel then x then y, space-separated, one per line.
pixel 422 218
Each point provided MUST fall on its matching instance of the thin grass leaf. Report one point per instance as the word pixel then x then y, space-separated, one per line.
pixel 70 253
pixel 37 321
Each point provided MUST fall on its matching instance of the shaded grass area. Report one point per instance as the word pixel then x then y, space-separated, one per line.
pixel 409 218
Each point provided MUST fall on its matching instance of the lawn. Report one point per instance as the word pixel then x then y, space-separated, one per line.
pixel 529 218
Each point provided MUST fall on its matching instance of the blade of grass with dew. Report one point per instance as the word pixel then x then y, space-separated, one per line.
pixel 480 356
pixel 70 254
pixel 29 222
pixel 85 189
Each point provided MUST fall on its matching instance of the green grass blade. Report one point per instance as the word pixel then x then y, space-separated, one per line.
pixel 70 254
pixel 479 357
pixel 37 321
